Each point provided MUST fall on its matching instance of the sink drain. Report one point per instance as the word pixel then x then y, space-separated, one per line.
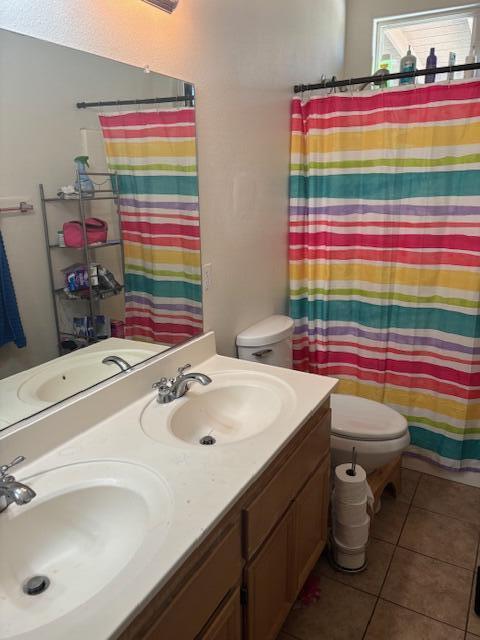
pixel 36 585
pixel 208 440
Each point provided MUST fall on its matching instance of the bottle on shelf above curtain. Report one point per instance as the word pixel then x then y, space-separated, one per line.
pixel 408 63
pixel 431 64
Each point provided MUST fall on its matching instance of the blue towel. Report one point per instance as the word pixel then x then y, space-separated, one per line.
pixel 11 329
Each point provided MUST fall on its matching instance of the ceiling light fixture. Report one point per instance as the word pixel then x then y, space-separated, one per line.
pixel 166 5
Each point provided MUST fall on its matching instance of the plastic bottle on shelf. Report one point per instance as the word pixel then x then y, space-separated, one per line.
pixel 452 57
pixel 83 183
pixel 408 63
pixel 431 64
pixel 470 59
pixel 386 65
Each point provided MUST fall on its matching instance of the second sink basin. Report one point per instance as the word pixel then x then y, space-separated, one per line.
pixel 88 523
pixel 235 406
pixel 61 378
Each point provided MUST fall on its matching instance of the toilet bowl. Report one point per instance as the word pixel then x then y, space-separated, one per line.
pixel 378 433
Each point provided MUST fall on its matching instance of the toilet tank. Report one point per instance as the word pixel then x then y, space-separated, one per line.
pixel 269 341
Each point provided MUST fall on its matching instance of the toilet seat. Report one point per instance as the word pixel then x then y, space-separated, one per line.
pixel 361 419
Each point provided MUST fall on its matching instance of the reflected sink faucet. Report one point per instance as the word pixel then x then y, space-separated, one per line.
pixel 170 389
pixel 10 489
pixel 120 362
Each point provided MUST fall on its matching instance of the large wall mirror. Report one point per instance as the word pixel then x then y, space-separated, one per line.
pixel 99 221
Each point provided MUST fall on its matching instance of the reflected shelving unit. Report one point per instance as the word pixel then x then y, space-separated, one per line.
pixel 92 296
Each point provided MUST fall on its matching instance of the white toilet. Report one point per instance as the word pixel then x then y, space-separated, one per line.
pixel 377 432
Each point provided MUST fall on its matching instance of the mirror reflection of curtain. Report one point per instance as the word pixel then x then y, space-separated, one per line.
pixel 154 155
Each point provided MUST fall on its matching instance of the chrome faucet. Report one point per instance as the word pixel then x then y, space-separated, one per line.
pixel 120 362
pixel 10 489
pixel 170 389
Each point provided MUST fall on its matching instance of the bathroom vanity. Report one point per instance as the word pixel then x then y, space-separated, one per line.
pixel 145 533
pixel 252 566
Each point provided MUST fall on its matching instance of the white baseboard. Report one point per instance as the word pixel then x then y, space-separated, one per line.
pixel 464 477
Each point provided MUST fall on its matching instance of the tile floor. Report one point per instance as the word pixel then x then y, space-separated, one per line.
pixel 418 585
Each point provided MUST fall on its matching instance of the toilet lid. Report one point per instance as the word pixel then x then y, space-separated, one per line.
pixel 364 419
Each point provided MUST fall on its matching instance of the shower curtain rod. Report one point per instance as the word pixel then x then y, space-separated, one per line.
pixel 188 99
pixel 327 84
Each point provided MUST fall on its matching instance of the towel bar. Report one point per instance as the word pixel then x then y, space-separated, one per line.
pixel 23 207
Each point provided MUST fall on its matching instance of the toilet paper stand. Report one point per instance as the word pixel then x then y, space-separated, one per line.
pixel 348 540
pixel 387 476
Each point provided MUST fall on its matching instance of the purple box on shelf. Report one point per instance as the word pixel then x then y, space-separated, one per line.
pixel 76 277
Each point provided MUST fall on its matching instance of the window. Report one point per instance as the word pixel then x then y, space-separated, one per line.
pixel 447 30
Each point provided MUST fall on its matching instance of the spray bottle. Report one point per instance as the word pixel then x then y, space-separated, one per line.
pixel 83 182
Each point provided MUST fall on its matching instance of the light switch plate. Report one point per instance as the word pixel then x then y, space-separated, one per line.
pixel 207 276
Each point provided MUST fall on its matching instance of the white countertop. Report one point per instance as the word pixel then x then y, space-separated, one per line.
pixel 204 482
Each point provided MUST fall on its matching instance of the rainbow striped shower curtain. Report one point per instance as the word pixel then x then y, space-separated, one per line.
pixel 385 256
pixel 154 154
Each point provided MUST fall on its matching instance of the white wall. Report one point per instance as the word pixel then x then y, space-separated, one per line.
pixel 40 134
pixel 244 58
pixel 359 27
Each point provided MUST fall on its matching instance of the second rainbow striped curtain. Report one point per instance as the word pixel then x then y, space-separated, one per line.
pixel 385 256
pixel 154 153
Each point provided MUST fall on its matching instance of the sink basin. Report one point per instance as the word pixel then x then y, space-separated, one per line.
pixel 235 406
pixel 68 375
pixel 87 525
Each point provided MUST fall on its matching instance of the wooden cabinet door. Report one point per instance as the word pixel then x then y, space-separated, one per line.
pixel 227 623
pixel 270 582
pixel 201 595
pixel 311 519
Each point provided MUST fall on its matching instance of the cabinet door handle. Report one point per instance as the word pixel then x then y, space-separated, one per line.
pixel 262 353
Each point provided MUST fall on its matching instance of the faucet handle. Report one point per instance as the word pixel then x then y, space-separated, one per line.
pixel 164 387
pixel 5 467
pixel 180 370
pixel 161 384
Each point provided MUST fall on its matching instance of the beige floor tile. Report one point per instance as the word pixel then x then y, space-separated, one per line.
pixel 379 555
pixel 470 636
pixel 410 481
pixel 429 586
pixel 388 523
pixel 441 537
pixel 396 623
pixel 341 613
pixel 450 498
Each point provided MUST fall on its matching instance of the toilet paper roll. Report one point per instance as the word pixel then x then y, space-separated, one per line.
pixel 348 487
pixel 352 513
pixel 352 536
pixel 352 559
